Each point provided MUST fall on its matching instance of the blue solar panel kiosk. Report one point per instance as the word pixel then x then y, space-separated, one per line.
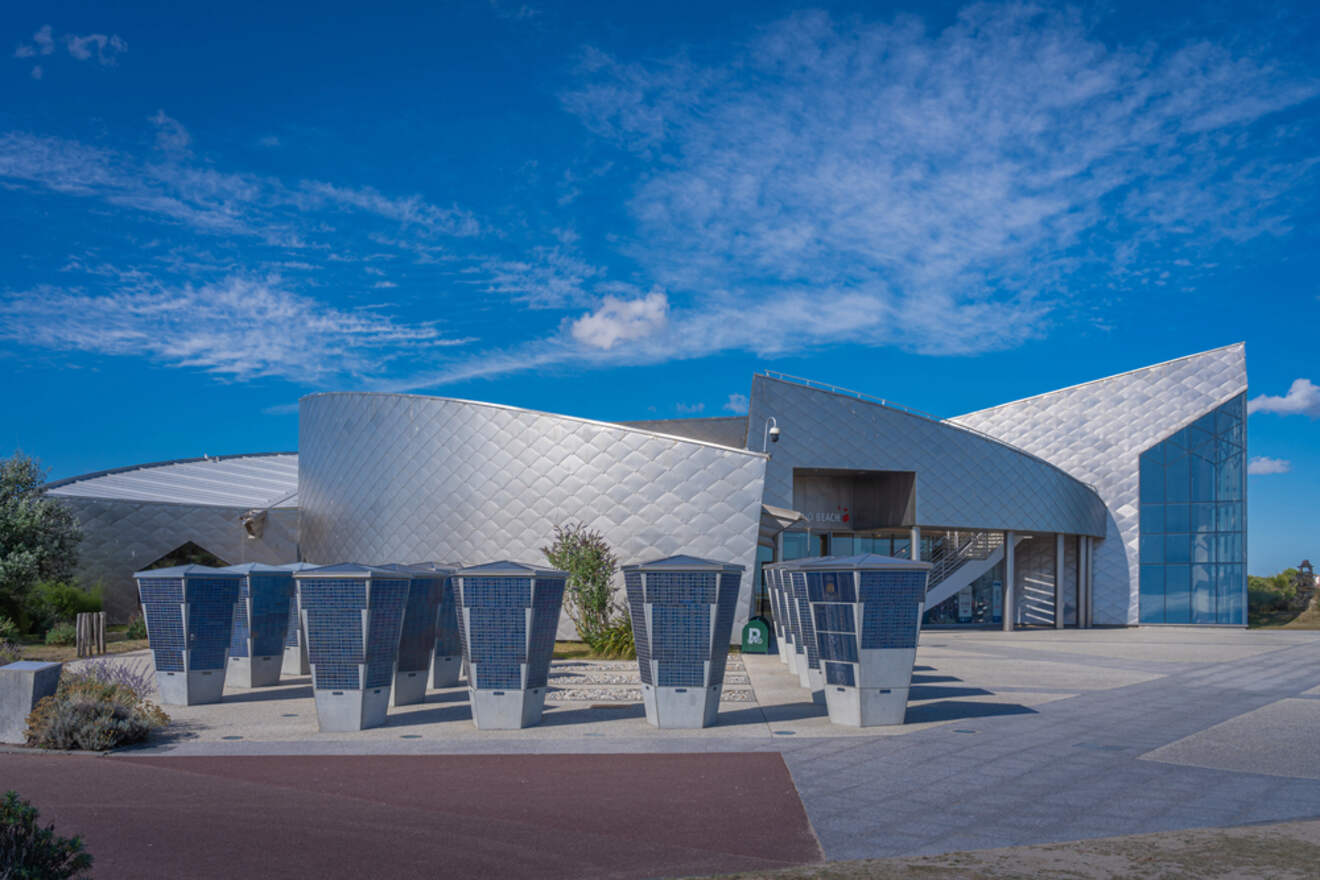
pixel 261 620
pixel 189 612
pixel 790 642
pixel 508 614
pixel 352 615
pixel 417 638
pixel 806 656
pixel 866 613
pixel 295 645
pixel 682 618
pixel 447 661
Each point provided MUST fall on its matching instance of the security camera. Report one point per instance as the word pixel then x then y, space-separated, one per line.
pixel 774 434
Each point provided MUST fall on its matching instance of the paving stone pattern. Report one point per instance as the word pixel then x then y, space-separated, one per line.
pixel 1072 770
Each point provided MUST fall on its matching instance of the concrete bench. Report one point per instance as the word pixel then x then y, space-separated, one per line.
pixel 22 685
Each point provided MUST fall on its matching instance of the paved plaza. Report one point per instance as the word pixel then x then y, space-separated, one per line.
pixel 1023 738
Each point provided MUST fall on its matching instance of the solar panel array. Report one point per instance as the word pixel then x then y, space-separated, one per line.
pixel 502 650
pixel 210 614
pixel 417 638
pixel 890 601
pixel 802 610
pixel 261 614
pixel 687 651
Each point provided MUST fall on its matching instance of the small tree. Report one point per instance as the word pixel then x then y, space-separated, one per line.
pixel 38 535
pixel 588 595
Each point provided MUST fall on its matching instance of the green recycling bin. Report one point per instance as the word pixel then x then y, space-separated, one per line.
pixel 756 637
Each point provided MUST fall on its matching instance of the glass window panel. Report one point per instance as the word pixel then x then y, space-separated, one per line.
pixel 1203 478
pixel 1203 594
pixel 1228 594
pixel 1203 518
pixel 1177 476
pixel 1177 440
pixel 1152 518
pixel 1229 547
pixel 1152 477
pixel 1224 420
pixel 1152 548
pixel 1227 450
pixel 1177 518
pixel 901 548
pixel 841 545
pixel 1203 548
pixel 1230 516
pixel 795 545
pixel 1177 548
pixel 1205 423
pixel 1177 594
pixel 1152 594
pixel 1201 443
pixel 1230 479
pixel 1234 433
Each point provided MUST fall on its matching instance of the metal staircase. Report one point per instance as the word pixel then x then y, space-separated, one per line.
pixel 960 558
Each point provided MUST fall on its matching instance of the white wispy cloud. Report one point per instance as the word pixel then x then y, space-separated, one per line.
pixel 737 404
pixel 107 47
pixel 172 138
pixel 689 409
pixel 1303 398
pixel 239 328
pixel 941 179
pixel 1263 464
pixel 409 210
pixel 545 277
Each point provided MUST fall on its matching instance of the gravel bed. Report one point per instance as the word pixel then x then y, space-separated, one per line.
pixel 623 694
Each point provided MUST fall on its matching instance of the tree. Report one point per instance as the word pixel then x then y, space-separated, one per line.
pixel 589 594
pixel 38 535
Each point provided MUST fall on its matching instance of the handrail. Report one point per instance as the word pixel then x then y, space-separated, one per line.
pixel 889 404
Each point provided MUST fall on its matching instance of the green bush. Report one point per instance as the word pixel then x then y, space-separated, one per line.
pixel 63 633
pixel 8 630
pixel 589 593
pixel 137 628
pixel 616 642
pixel 39 534
pixel 93 714
pixel 52 602
pixel 30 852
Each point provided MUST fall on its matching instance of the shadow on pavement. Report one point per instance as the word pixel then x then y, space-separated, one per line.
pixel 952 710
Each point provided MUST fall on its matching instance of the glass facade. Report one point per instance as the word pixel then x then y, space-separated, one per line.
pixel 1193 522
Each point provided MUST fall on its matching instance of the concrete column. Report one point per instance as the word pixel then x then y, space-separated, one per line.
pixel 916 543
pixel 1084 583
pixel 1009 576
pixel 1058 581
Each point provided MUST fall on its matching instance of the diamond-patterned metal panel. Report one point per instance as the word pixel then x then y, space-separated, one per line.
pixel 391 476
pixel 1097 432
pixel 121 537
pixel 963 480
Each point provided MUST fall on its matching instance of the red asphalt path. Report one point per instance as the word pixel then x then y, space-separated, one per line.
pixel 543 816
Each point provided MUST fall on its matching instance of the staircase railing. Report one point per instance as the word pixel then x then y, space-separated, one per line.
pixel 958 549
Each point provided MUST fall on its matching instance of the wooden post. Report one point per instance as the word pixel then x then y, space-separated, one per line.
pixel 100 632
pixel 79 638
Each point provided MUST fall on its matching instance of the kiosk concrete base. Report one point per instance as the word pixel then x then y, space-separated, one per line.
pixel 446 671
pixel 22 685
pixel 295 661
pixel 811 679
pixel 506 710
pixel 346 711
pixel 866 707
pixel 676 708
pixel 190 688
pixel 409 686
pixel 253 672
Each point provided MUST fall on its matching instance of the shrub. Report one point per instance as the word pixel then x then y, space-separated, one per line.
pixel 8 630
pixel 30 852
pixel 137 628
pixel 589 594
pixel 53 602
pixel 138 677
pixel 93 715
pixel 9 652
pixel 616 642
pixel 63 633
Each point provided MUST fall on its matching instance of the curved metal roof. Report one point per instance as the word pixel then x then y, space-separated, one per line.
pixel 261 480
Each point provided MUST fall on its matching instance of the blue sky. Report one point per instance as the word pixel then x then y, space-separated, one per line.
pixel 619 212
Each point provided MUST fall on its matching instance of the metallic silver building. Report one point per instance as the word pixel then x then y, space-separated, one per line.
pixel 1120 501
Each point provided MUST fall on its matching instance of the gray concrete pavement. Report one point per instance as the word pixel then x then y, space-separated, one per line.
pixel 1013 739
